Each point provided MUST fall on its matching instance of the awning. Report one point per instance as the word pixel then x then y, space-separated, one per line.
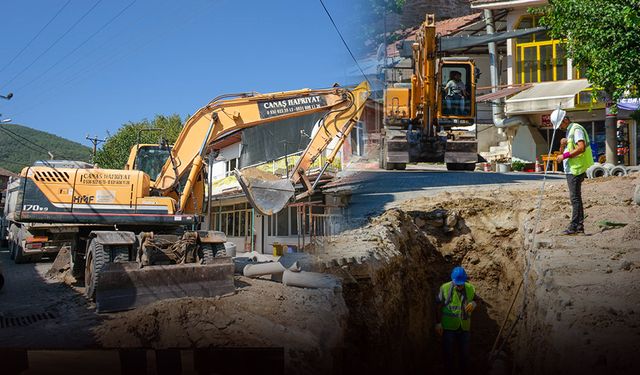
pixel 461 42
pixel 502 93
pixel 546 96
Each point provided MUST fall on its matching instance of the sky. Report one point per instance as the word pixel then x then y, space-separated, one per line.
pixel 101 63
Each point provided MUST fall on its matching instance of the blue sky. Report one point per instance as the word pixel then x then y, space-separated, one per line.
pixel 159 57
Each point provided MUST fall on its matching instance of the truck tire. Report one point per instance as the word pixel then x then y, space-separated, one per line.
pixel 95 262
pixel 19 256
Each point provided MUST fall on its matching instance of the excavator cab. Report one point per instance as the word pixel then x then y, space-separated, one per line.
pixel 148 158
pixel 457 99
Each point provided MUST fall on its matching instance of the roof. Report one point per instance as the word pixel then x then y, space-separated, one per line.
pixel 443 28
pixel 500 4
pixel 6 173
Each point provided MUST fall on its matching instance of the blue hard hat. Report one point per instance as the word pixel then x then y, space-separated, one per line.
pixel 458 276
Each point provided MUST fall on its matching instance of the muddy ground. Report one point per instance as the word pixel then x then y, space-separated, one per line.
pixel 580 313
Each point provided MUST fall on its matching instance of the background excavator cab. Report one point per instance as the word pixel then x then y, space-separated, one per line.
pixel 457 98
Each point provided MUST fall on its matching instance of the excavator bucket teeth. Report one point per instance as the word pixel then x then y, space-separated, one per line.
pixel 124 286
pixel 267 196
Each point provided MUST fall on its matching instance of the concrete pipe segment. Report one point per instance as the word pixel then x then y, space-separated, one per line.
pixel 257 270
pixel 597 170
pixel 618 170
pixel 312 280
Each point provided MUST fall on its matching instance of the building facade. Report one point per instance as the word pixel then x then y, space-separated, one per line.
pixel 549 80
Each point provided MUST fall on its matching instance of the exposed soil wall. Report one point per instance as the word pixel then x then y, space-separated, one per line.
pixel 407 255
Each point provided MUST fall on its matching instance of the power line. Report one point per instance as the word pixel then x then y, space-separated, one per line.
pixel 35 37
pixel 53 44
pixel 79 46
pixel 345 43
pixel 13 162
pixel 18 138
pixel 84 73
pixel 129 29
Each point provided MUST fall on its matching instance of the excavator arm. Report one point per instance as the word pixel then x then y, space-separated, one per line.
pixel 231 113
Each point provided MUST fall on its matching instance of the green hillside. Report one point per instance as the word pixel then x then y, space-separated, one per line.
pixel 20 146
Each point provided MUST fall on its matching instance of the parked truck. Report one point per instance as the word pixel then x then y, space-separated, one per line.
pixel 134 233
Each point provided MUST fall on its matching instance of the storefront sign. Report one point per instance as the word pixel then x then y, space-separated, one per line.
pixel 545 121
pixel 629 104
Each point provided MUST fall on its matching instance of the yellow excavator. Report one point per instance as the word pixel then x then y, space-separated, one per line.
pixel 431 118
pixel 136 236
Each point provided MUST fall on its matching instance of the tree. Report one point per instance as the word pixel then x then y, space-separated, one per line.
pixel 115 151
pixel 603 40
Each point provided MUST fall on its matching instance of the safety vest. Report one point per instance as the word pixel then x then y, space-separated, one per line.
pixel 453 314
pixel 579 164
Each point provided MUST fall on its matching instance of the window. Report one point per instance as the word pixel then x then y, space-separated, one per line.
pixel 284 223
pixel 233 220
pixel 231 165
pixel 538 58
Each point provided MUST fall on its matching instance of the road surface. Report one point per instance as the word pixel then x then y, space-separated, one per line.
pixel 374 191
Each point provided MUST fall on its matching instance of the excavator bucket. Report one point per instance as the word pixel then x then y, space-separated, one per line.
pixel 266 192
pixel 124 286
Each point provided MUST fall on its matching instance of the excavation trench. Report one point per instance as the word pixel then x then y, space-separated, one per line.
pixel 410 253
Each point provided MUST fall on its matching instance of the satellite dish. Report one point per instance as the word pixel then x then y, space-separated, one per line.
pixel 557 116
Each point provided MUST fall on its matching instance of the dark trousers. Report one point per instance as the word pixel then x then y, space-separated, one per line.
pixel 456 341
pixel 575 194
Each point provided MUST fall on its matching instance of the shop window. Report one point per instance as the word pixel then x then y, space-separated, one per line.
pixel 233 220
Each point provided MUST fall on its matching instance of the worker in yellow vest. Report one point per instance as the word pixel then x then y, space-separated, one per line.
pixel 454 307
pixel 578 155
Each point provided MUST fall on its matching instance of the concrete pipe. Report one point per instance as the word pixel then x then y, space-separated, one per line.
pixel 599 171
pixel 312 280
pixel 618 170
pixel 257 270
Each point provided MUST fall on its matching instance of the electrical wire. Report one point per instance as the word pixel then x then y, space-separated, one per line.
pixel 36 36
pixel 103 64
pixel 79 46
pixel 18 138
pixel 53 44
pixel 13 162
pixel 345 43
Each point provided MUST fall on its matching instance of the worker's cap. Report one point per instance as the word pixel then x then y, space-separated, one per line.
pixel 458 276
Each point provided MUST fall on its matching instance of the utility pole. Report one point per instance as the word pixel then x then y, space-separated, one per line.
pixel 95 140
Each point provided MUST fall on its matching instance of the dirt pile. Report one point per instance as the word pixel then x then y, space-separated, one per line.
pixel 307 323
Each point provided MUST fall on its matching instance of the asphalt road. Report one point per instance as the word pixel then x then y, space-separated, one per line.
pixel 374 191
pixel 37 312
